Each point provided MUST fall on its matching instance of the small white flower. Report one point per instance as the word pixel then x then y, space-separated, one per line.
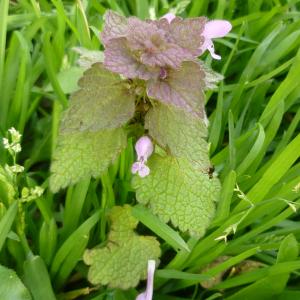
pixel 17 169
pixel 6 143
pixel 15 135
pixel 16 148
pixel 37 191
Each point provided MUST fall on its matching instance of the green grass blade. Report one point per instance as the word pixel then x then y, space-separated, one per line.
pixel 6 222
pixel 165 232
pixel 37 279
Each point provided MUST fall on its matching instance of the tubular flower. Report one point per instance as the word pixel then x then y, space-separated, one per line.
pixel 147 295
pixel 144 149
pixel 214 29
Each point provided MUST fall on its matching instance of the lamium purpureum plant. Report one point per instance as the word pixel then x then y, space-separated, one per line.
pixel 152 78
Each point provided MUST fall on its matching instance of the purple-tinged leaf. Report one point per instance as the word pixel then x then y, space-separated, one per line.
pixel 182 88
pixel 120 59
pixel 154 44
pixel 188 34
pixel 115 26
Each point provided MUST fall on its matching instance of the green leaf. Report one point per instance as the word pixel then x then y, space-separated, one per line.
pixel 273 283
pixel 103 102
pixel 7 221
pixel 177 190
pixel 164 231
pixel 174 274
pixel 63 257
pixel 11 287
pixel 37 278
pixel 82 154
pixel 123 261
pixel 288 249
pixel 179 132
pixel 7 190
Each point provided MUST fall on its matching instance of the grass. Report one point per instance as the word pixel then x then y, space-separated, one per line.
pixel 254 134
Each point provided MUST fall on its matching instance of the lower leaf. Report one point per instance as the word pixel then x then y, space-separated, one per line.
pixel 123 261
pixel 177 190
pixel 82 154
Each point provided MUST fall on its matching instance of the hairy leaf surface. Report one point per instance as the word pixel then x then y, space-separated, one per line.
pixel 102 102
pixel 188 33
pixel 115 26
pixel 154 44
pixel 82 154
pixel 122 263
pixel 120 59
pixel 182 88
pixel 178 191
pixel 182 134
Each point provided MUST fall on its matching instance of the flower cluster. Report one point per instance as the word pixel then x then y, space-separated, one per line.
pixel 13 145
pixel 29 194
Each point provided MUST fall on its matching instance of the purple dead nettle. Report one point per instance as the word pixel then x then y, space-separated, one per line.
pixel 164 54
pixel 147 295
pixel 144 149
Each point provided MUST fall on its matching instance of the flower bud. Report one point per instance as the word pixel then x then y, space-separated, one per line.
pixel 143 148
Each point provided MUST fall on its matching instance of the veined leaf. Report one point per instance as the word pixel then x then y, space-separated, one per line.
pixel 123 261
pixel 82 154
pixel 182 88
pixel 182 134
pixel 177 190
pixel 103 102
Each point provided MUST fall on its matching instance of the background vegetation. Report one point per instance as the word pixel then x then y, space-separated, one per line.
pixel 255 147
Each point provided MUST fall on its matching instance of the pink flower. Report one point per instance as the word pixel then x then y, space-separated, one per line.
pixel 144 149
pixel 213 29
pixel 147 295
pixel 169 17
